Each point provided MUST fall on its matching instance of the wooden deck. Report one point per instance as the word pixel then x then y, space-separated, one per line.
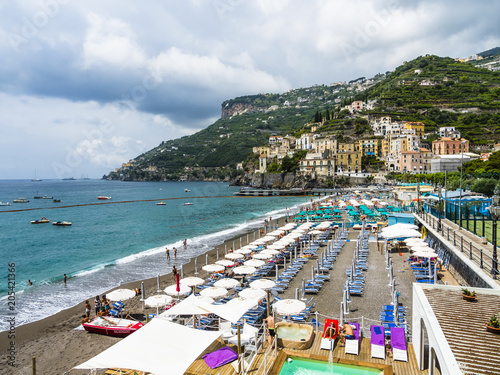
pixel 398 367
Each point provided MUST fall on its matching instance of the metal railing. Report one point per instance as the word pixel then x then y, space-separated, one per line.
pixel 477 254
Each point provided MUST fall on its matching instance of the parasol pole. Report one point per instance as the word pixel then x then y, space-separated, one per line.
pixel 158 282
pixel 143 295
pixel 196 266
pixel 239 349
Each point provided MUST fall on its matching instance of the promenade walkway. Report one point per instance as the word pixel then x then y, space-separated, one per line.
pixel 464 241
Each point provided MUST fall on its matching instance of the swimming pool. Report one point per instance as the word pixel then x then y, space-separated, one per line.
pixel 305 366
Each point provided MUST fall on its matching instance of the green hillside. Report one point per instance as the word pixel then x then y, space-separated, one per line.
pixel 435 90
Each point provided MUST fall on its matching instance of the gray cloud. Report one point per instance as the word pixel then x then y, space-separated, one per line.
pixel 167 66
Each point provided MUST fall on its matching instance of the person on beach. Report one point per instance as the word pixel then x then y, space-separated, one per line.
pixel 185 243
pixel 330 331
pixel 65 279
pixel 107 307
pixel 346 333
pixel 175 253
pixel 230 250
pixel 97 304
pixel 167 253
pixel 30 283
pixel 87 309
pixel 270 329
pixel 174 273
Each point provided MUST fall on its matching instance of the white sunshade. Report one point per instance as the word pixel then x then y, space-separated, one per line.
pixel 275 246
pixel 192 281
pixel 147 349
pixel 289 306
pixel 234 256
pixel 157 301
pixel 253 293
pixel 270 251
pixel 254 263
pixel 227 283
pixel 425 254
pixel 316 232
pixel 172 290
pixel 404 233
pixel 414 240
pixel 275 233
pixel 214 292
pixel 225 262
pixel 188 306
pixel 263 284
pixel 400 226
pixel 289 226
pixel 213 268
pixel 244 270
pixel 243 251
pixel 120 294
pixel 262 256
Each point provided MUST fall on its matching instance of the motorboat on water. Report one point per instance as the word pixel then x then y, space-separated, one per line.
pixel 187 204
pixel 56 201
pixel 110 326
pixel 43 220
pixel 4 204
pixel 103 197
pixel 187 190
pixel 21 200
pixel 161 203
pixel 62 223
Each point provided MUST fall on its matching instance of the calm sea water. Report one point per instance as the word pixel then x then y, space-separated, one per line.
pixel 113 243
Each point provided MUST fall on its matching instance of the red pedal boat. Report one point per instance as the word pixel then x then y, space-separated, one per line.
pixel 107 325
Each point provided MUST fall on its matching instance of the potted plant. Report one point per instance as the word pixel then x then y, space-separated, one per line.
pixel 494 324
pixel 468 295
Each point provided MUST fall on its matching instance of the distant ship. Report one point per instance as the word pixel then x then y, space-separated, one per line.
pixel 69 179
pixel 36 179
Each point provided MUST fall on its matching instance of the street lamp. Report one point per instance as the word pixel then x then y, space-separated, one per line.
pixel 460 197
pixel 418 198
pixel 439 208
pixel 495 214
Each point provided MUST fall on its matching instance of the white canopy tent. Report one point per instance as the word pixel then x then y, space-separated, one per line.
pixel 148 349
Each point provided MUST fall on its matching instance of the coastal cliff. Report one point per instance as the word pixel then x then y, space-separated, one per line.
pixel 231 108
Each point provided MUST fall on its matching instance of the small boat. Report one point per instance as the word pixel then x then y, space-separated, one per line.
pixel 37 197
pixel 103 197
pixel 4 204
pixel 45 197
pixel 21 200
pixel 56 201
pixel 187 190
pixel 187 204
pixel 62 223
pixel 161 203
pixel 107 325
pixel 43 220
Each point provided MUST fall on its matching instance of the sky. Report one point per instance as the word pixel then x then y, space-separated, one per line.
pixel 88 85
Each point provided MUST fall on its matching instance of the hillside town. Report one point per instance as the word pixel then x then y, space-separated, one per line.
pixel 399 145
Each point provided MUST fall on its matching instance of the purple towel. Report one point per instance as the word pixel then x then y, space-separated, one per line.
pixel 398 338
pixel 378 335
pixel 356 330
pixel 220 357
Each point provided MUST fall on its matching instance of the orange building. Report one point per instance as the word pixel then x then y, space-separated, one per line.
pixel 450 146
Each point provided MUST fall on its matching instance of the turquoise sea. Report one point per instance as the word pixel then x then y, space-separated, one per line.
pixel 113 243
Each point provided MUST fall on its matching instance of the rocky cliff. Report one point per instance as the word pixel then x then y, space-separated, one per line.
pixel 230 109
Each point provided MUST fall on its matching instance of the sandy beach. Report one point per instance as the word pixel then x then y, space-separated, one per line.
pixel 59 343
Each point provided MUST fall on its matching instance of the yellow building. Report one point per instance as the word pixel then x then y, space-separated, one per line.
pixel 417 126
pixel 261 150
pixel 348 157
pixel 370 147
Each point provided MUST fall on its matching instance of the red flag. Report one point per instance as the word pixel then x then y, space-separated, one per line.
pixel 178 289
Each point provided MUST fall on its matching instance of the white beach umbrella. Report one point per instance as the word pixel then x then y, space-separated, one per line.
pixel 270 252
pixel 244 270
pixel 258 242
pixel 249 247
pixel 157 301
pixel 401 226
pixel 254 263
pixel 425 254
pixel 192 281
pixel 275 233
pixel 243 251
pixel 237 300
pixel 403 233
pixel 227 283
pixel 172 290
pixel 316 232
pixel 214 292
pixel 289 306
pixel 213 268
pixel 262 256
pixel 289 226
pixel 120 294
pixel 262 284
pixel 225 262
pixel 234 256
pixel 268 238
pixel 255 293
